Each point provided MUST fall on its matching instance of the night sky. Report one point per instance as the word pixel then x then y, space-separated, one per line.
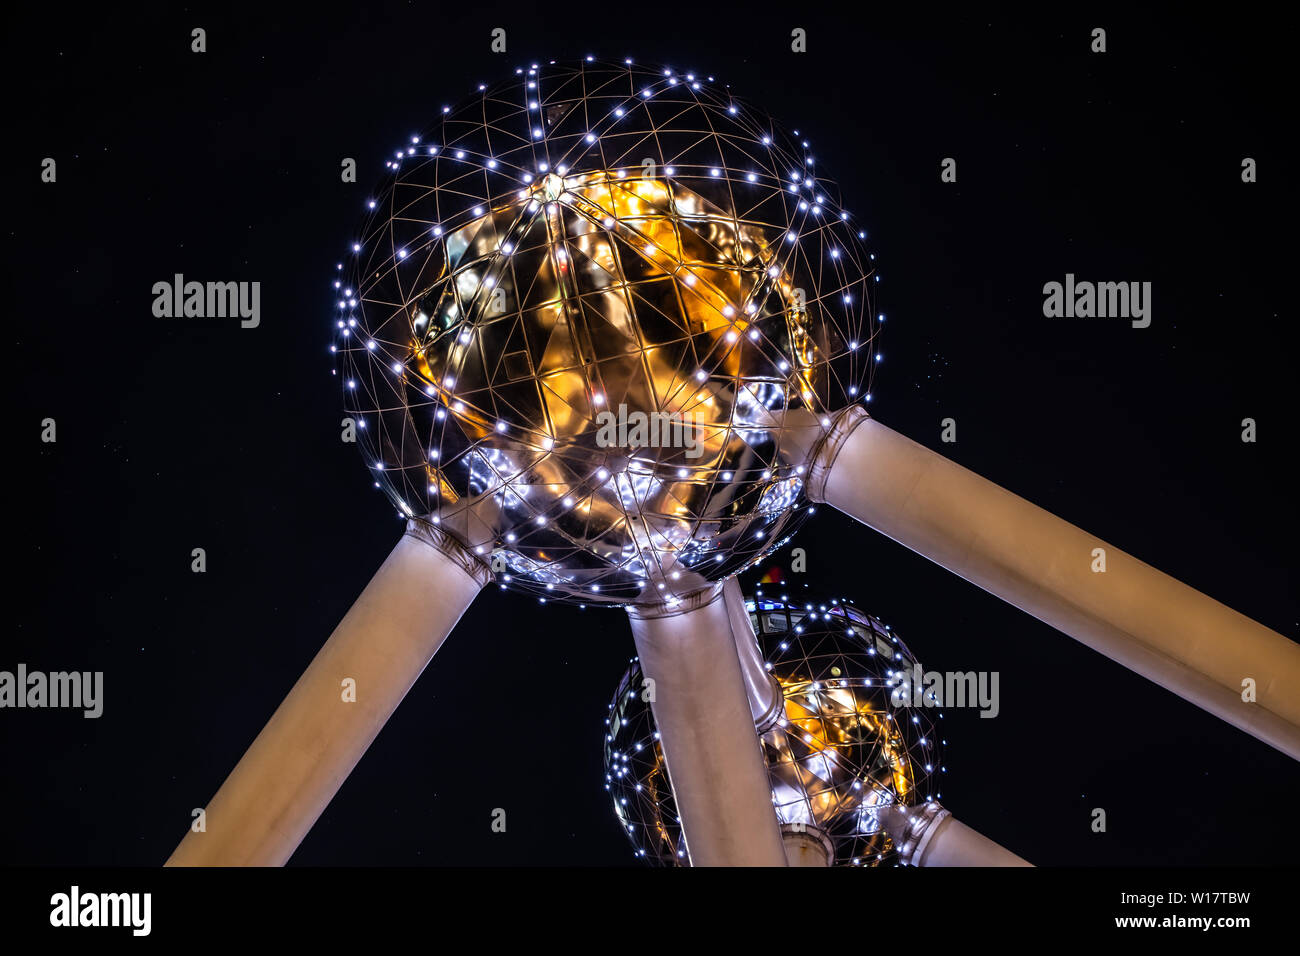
pixel 175 434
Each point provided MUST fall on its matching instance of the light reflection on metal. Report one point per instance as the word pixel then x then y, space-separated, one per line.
pixel 845 750
pixel 654 255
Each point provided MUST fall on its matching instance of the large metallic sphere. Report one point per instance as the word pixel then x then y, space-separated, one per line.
pixel 852 740
pixel 586 308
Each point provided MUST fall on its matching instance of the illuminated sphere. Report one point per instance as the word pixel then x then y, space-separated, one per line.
pixel 851 740
pixel 578 316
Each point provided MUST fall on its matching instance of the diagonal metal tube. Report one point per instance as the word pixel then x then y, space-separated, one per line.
pixel 316 736
pixel 1186 642
pixel 766 699
pixel 932 836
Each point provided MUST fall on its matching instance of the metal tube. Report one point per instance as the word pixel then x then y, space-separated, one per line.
pixel 1139 617
pixel 807 846
pixel 766 699
pixel 316 736
pixel 706 729
pixel 931 836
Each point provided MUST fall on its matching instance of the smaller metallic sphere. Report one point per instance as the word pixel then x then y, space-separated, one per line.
pixel 855 737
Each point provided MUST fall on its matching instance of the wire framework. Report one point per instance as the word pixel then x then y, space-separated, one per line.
pixel 853 739
pixel 578 317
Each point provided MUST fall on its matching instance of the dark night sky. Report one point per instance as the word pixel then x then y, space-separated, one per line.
pixel 176 434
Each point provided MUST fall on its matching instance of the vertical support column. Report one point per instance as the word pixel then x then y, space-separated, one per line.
pixel 314 739
pixel 810 846
pixel 706 729
pixel 1147 621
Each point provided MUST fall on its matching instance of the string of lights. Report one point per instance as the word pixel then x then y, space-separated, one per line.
pixel 591 243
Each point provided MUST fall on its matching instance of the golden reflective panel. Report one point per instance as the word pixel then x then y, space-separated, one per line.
pixel 846 746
